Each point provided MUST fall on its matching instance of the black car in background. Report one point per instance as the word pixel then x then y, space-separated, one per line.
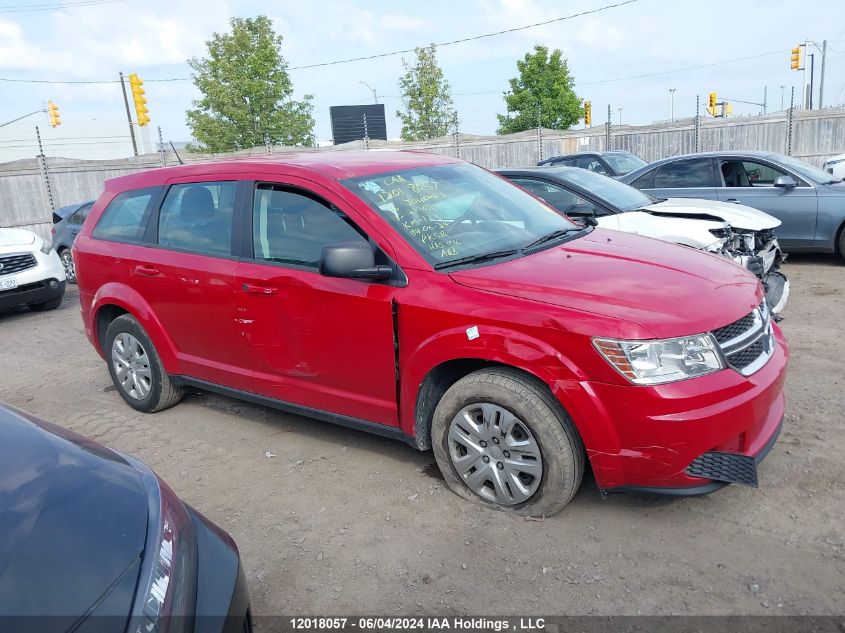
pixel 92 540
pixel 612 163
pixel 67 222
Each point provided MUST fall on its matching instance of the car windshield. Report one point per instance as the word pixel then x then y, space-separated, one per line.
pixel 459 211
pixel 807 171
pixel 624 163
pixel 614 193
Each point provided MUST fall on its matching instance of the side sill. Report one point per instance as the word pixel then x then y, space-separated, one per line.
pixel 392 432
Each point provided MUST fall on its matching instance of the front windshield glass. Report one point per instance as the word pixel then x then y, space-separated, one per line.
pixel 616 194
pixel 624 163
pixel 807 171
pixel 450 212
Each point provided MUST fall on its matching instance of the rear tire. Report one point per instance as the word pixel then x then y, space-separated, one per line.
pixel 842 242
pixel 51 304
pixel 136 369
pixel 522 404
pixel 67 262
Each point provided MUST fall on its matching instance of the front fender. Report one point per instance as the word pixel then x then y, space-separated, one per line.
pixel 122 296
pixel 493 344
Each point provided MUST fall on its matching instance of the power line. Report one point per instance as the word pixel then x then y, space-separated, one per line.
pixel 344 61
pixel 468 39
pixel 56 6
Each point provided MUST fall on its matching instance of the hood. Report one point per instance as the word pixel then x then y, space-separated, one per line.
pixel 73 519
pixel 16 237
pixel 666 289
pixel 738 216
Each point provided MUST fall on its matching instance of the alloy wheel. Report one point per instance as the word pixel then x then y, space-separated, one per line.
pixel 131 366
pixel 67 262
pixel 495 453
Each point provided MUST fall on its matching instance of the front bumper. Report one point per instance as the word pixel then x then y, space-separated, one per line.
pixel 37 292
pixel 647 437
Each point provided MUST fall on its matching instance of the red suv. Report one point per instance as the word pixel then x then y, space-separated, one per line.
pixel 423 298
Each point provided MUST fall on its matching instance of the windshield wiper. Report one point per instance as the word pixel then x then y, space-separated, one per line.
pixel 554 235
pixel 472 259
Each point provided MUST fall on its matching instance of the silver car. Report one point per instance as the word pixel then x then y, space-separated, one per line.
pixel 809 202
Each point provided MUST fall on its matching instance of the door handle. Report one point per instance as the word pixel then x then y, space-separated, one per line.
pixel 734 200
pixel 147 271
pixel 259 290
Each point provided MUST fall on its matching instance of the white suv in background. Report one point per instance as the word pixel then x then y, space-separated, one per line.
pixel 31 272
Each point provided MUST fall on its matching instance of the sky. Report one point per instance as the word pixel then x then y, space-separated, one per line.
pixel 628 57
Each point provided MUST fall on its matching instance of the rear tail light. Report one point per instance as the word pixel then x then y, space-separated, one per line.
pixel 166 595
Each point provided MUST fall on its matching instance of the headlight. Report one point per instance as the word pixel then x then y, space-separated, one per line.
pixel 835 162
pixel 46 247
pixel 662 361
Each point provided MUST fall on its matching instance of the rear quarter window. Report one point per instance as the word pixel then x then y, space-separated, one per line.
pixel 126 215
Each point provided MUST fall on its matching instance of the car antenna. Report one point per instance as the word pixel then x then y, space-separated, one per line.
pixel 179 158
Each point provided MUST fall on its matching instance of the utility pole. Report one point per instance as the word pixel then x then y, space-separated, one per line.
pixel 366 134
pixel 812 73
pixel 161 154
pixel 128 115
pixel 620 115
pixel 671 104
pixel 781 97
pixel 790 114
pixel 697 122
pixel 765 98
pixel 373 90
pixel 607 141
pixel 821 75
pixel 45 174
pixel 539 132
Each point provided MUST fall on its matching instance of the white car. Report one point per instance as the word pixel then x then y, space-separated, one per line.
pixel 835 166
pixel 741 233
pixel 31 272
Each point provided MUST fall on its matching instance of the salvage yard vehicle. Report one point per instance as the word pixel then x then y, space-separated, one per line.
pixel 741 233
pixel 92 540
pixel 835 166
pixel 31 273
pixel 64 232
pixel 425 299
pixel 809 202
pixel 613 163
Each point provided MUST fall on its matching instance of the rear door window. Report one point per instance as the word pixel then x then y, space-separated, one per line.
pixel 125 218
pixel 685 173
pixel 197 217
pixel 78 216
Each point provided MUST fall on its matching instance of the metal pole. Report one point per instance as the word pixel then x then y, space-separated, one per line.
pixel 821 75
pixel 697 122
pixel 781 97
pixel 366 134
pixel 789 118
pixel 128 115
pixel 765 98
pixel 804 85
pixel 45 174
pixel 671 104
pixel 608 143
pixel 539 133
pixel 161 153
pixel 812 72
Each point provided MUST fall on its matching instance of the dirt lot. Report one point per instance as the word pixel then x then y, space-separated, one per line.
pixel 338 521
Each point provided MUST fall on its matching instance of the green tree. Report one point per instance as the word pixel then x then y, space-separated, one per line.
pixel 246 92
pixel 426 96
pixel 543 91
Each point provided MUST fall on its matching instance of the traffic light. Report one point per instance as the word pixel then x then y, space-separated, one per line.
pixel 53 114
pixel 588 113
pixel 142 113
pixel 795 59
pixel 711 100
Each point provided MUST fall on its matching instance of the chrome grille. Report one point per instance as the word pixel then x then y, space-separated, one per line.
pixel 748 343
pixel 16 263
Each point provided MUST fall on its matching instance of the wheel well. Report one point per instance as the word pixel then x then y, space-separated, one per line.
pixel 438 381
pixel 105 315
pixel 837 243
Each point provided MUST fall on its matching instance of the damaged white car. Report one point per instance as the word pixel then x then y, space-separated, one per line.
pixel 744 234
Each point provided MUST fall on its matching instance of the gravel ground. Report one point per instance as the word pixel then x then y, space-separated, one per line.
pixel 330 520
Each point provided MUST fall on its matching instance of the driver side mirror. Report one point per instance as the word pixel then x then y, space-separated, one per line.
pixel 589 220
pixel 351 260
pixel 787 182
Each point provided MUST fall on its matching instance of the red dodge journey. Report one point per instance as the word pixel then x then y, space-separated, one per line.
pixel 423 298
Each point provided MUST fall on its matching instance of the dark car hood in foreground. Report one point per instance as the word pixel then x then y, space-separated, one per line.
pixel 73 519
pixel 670 290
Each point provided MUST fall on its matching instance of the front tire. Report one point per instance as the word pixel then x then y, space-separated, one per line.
pixel 136 369
pixel 503 441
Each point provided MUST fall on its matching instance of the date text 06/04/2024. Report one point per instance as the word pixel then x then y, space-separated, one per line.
pixel 457 623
